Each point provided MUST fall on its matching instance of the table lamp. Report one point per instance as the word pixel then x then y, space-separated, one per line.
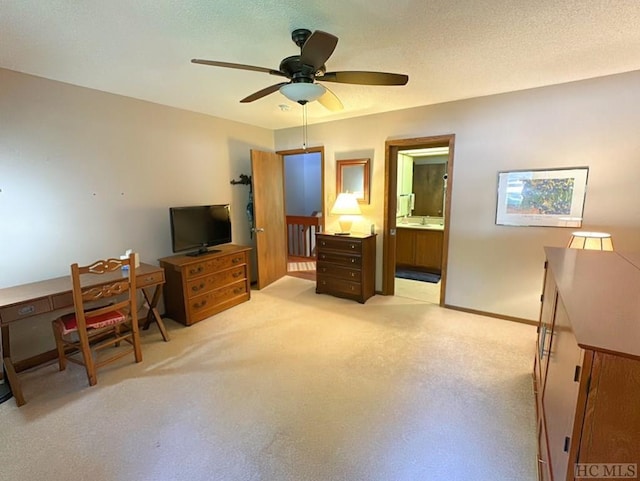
pixel 600 241
pixel 346 206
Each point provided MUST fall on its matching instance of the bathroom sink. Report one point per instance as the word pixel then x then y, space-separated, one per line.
pixel 421 225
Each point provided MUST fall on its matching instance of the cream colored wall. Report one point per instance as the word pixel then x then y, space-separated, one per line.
pixel 85 174
pixel 60 145
pixel 492 268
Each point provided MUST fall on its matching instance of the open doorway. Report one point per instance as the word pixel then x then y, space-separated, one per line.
pixel 304 208
pixel 418 185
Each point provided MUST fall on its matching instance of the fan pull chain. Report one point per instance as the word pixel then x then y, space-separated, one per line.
pixel 304 126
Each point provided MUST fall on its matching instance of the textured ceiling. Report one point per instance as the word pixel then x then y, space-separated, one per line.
pixel 451 49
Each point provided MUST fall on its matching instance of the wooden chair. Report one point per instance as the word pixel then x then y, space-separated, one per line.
pixel 82 334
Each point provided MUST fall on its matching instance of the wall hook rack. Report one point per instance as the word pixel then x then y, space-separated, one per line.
pixel 244 180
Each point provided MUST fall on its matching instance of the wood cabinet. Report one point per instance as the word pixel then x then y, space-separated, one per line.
pixel 346 265
pixel 587 365
pixel 199 287
pixel 419 248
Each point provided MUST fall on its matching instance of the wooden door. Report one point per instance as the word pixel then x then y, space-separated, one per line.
pixel 561 393
pixel 267 170
pixel 545 328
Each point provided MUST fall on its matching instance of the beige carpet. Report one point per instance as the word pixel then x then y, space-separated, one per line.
pixel 291 386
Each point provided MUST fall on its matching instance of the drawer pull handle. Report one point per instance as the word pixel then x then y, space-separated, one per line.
pixel 353 246
pixel 198 305
pixel 324 269
pixel 353 274
pixel 197 288
pixel 148 279
pixel 238 290
pixel 196 271
pixel 353 288
pixel 23 311
pixel 235 260
pixel 353 261
pixel 236 274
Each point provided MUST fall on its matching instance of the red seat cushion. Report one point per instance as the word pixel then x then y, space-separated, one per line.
pixel 70 323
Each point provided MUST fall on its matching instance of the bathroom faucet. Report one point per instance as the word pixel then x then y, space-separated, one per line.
pixel 424 221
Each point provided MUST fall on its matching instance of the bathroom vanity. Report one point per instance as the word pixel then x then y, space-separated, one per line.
pixel 419 244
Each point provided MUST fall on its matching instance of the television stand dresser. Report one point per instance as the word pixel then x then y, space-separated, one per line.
pixel 199 287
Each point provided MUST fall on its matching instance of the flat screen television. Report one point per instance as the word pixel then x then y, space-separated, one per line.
pixel 199 227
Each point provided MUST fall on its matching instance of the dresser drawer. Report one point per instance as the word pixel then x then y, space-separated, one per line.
pixel 340 244
pixel 63 300
pixel 214 265
pixel 338 286
pixel 346 259
pixel 150 279
pixel 345 273
pixel 26 309
pixel 210 300
pixel 204 284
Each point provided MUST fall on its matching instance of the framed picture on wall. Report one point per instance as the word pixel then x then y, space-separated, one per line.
pixel 550 198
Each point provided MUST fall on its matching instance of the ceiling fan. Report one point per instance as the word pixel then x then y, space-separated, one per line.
pixel 305 70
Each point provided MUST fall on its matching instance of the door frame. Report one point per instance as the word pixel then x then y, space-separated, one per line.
pixel 392 147
pixel 309 150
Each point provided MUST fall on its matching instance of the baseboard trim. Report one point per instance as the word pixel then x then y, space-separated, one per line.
pixel 492 314
pixel 520 320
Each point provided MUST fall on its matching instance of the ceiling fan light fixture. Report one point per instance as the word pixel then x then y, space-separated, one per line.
pixel 302 92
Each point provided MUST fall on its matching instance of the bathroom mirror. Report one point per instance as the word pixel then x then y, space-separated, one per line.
pixel 429 187
pixel 422 184
pixel 353 176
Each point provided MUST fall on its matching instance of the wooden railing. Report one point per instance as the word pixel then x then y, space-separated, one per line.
pixel 301 235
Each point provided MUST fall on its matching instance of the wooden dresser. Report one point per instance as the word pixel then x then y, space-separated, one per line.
pixel 346 265
pixel 587 365
pixel 199 287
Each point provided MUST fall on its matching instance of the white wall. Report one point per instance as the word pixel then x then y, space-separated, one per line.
pixel 494 268
pixel 303 183
pixel 313 182
pixel 60 145
pixel 85 174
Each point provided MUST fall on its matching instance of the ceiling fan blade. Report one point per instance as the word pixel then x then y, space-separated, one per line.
pixel 330 101
pixel 318 48
pixel 239 66
pixel 262 93
pixel 365 78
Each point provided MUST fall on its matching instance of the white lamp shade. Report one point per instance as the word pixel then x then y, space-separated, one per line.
pixel 302 92
pixel 600 241
pixel 346 204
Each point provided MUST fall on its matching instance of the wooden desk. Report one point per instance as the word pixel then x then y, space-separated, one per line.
pixel 23 302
